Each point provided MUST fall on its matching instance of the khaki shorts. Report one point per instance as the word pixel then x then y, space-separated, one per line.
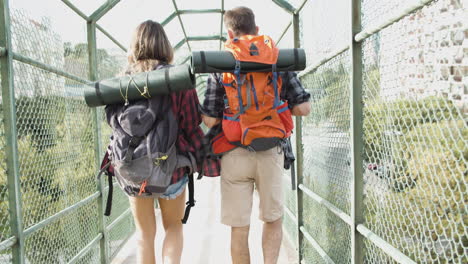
pixel 241 170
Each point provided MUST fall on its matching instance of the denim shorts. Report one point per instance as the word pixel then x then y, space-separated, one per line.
pixel 175 189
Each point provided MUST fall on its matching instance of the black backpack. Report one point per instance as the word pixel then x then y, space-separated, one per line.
pixel 143 149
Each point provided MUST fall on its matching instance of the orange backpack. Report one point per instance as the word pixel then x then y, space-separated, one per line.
pixel 254 116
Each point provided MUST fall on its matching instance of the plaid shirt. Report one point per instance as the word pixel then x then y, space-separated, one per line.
pixel 292 91
pixel 190 139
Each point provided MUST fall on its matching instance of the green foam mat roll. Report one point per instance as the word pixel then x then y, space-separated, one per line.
pixel 159 82
pixel 223 61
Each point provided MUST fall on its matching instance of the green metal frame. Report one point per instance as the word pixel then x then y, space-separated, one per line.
pixel 86 249
pixel 169 19
pixel 109 36
pixel 221 26
pixel 284 32
pixel 76 10
pixel 181 23
pixel 285 5
pixel 356 127
pixel 102 10
pixel 93 75
pixel 411 6
pixel 43 66
pixel 33 229
pixel 200 11
pixel 359 232
pixel 300 154
pixel 3 51
pixel 11 135
pixel 298 10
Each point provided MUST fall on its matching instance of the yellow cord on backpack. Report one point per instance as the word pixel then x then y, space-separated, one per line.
pixel 157 161
pixel 145 92
pixel 125 97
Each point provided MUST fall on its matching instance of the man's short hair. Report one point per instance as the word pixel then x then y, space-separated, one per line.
pixel 241 20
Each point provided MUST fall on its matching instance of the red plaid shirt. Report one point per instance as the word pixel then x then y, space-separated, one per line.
pixel 186 105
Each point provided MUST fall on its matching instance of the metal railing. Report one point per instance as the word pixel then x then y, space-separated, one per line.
pixel 381 160
pixel 52 143
pixel 377 156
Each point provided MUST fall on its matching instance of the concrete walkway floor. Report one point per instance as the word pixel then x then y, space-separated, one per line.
pixel 206 240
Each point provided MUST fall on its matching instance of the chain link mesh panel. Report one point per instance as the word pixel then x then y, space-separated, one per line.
pixel 372 11
pixel 93 256
pixel 311 255
pixel 328 230
pixel 119 234
pixel 56 133
pixel 415 135
pixel 321 35
pixel 326 133
pixel 62 240
pixel 5 231
pixel 55 143
pixel 325 137
pixel 38 34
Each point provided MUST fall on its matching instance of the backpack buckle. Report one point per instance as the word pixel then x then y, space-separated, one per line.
pixel 237 67
pixel 157 161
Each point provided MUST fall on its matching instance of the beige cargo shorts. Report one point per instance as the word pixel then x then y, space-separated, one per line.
pixel 241 171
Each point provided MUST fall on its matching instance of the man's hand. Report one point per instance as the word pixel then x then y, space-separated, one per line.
pixel 301 109
pixel 210 121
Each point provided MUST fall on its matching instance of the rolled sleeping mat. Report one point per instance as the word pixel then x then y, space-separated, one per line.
pixel 162 81
pixel 223 61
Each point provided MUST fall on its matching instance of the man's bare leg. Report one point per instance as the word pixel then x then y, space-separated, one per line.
pixel 240 253
pixel 271 241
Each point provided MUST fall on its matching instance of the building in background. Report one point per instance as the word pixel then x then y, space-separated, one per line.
pixel 426 54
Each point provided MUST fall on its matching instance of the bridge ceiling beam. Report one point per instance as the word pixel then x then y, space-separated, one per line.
pixel 102 10
pixel 168 19
pixel 181 24
pixel 285 5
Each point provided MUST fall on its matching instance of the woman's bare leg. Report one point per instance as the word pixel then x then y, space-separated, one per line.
pixel 172 212
pixel 145 221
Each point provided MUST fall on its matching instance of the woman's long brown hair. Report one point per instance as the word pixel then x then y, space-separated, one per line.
pixel 149 47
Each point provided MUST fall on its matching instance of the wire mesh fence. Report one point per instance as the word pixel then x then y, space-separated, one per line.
pixel 56 142
pixel 415 135
pixel 414 128
pixel 327 170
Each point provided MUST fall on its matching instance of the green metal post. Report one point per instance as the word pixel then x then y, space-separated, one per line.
pixel 356 107
pixel 11 144
pixel 300 155
pixel 181 24
pixel 93 76
pixel 221 26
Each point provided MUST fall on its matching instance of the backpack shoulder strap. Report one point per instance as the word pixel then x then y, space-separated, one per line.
pixel 191 202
